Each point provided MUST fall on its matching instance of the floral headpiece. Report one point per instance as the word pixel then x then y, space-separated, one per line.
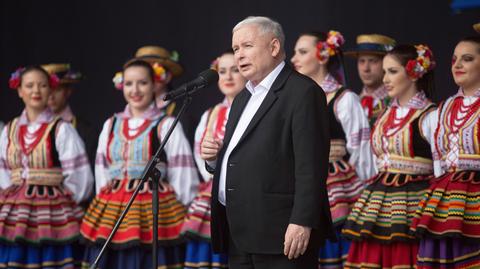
pixel 159 72
pixel 118 80
pixel 15 79
pixel 424 62
pixel 214 64
pixel 329 47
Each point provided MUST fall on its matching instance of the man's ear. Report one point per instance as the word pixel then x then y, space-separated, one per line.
pixel 275 47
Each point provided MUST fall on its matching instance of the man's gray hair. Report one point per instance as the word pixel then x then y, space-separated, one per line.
pixel 265 25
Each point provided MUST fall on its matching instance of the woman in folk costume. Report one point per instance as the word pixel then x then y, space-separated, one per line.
pixel 318 56
pixel 448 218
pixel 380 220
pixel 369 55
pixel 166 65
pixel 212 126
pixel 127 142
pixel 44 174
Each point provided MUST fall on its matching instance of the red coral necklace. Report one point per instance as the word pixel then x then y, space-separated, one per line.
pixel 458 108
pixel 137 131
pixel 394 124
pixel 36 136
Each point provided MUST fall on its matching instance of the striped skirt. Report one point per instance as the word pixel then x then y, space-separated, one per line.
pixel 344 188
pixel 196 228
pixel 39 227
pixel 448 222
pixel 134 237
pixel 381 219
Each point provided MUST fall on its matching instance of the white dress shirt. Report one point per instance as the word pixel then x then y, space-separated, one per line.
pixel 258 92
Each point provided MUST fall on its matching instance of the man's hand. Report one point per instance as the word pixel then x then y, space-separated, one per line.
pixel 296 240
pixel 210 147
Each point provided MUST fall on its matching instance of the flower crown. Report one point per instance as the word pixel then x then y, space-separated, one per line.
pixel 329 47
pixel 424 62
pixel 118 80
pixel 160 74
pixel 214 64
pixel 15 79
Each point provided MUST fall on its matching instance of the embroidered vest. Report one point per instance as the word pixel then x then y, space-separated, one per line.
pixel 405 151
pixel 128 156
pixel 217 120
pixel 458 145
pixel 38 164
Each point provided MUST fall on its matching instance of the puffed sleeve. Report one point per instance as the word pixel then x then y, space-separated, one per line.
pixel 102 175
pixel 428 126
pixel 4 170
pixel 196 148
pixel 351 116
pixel 74 161
pixel 181 170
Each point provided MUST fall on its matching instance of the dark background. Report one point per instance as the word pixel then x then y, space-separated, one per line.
pixel 97 37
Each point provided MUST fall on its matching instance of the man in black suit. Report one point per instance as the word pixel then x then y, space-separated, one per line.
pixel 269 201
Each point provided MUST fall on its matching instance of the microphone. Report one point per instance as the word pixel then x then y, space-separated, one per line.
pixel 203 79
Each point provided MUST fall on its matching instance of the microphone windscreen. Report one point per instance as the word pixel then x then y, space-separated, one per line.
pixel 210 76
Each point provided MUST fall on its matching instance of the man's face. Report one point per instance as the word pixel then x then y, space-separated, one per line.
pixel 255 53
pixel 58 98
pixel 370 69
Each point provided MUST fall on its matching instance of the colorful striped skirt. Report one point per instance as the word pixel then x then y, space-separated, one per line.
pixel 196 228
pixel 197 220
pixel 344 188
pixel 385 209
pixel 135 234
pixel 380 221
pixel 39 227
pixel 448 222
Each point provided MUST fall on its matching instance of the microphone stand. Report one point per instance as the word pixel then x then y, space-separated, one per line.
pixel 152 173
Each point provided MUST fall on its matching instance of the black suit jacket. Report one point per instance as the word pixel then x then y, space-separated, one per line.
pixel 277 173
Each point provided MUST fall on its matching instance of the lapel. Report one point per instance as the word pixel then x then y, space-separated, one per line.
pixel 238 106
pixel 270 98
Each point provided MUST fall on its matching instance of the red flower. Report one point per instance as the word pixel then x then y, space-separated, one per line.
pixel 53 81
pixel 410 68
pixel 14 83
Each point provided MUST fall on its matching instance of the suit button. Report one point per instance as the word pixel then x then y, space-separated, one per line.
pixel 231 165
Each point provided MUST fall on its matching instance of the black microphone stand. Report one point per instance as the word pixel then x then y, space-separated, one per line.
pixel 152 173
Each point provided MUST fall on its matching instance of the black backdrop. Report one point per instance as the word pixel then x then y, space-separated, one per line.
pixel 98 36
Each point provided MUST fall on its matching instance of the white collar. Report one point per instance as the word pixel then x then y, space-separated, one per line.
pixel 267 82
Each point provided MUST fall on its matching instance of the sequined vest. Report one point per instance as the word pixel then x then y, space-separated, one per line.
pixel 39 164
